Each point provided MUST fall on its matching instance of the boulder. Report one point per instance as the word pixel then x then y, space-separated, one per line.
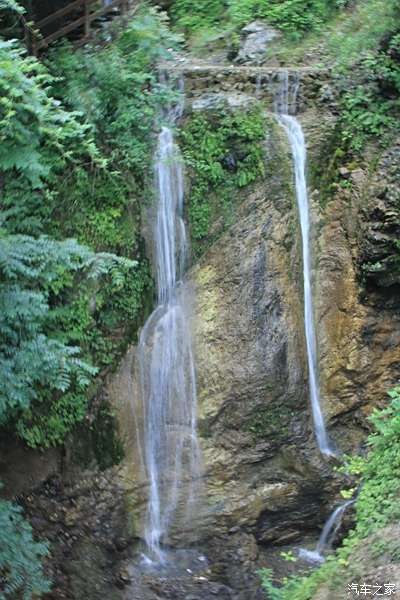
pixel 255 39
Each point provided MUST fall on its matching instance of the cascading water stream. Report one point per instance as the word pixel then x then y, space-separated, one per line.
pixel 327 535
pixel 167 373
pixel 285 103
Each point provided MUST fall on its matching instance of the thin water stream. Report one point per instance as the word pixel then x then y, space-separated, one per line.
pixel 285 106
pixel 327 536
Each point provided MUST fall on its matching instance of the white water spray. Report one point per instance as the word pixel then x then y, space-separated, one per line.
pixel 327 536
pixel 167 374
pixel 285 107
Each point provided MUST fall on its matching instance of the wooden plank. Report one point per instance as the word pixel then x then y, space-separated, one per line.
pixel 63 31
pixel 87 39
pixel 59 13
pixel 85 20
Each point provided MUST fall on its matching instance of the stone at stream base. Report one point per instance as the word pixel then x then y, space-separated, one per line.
pixel 255 39
pixel 95 556
pixel 228 572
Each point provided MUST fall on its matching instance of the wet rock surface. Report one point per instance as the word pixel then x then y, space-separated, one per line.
pixel 261 82
pixel 382 218
pixel 263 473
pixel 22 469
pixel 359 352
pixel 87 526
pixel 182 579
pixel 228 572
pixel 95 555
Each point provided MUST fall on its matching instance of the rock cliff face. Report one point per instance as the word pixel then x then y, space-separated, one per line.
pixel 262 472
pixel 358 339
pixel 85 522
pixel 261 466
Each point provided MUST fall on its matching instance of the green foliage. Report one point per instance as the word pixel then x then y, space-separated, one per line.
pixel 296 587
pixel 29 359
pixel 288 556
pixel 65 308
pixel 36 134
pixel 270 421
pixel 107 446
pixel 294 17
pixel 371 108
pixel 190 16
pixel 366 52
pixel 378 503
pixel 291 16
pixel 224 152
pixel 21 573
pixel 348 494
pixel 273 592
pixel 367 25
pixel 123 97
pixel 11 5
pixel 38 363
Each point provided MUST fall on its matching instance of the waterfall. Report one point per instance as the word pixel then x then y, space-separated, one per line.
pixel 167 373
pixel 327 535
pixel 285 104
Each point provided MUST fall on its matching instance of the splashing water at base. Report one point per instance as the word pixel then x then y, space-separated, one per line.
pixel 327 536
pixel 284 104
pixel 167 374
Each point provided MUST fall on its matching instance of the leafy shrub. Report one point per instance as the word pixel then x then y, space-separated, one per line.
pixel 364 49
pixel 223 153
pixel 28 358
pixel 292 16
pixel 371 107
pixel 34 361
pixel 191 16
pixel 21 573
pixel 65 308
pixel 379 500
pixel 366 26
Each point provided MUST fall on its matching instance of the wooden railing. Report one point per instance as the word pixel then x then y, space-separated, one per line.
pixel 88 11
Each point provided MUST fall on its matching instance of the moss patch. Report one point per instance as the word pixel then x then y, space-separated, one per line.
pixel 223 153
pixel 271 420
